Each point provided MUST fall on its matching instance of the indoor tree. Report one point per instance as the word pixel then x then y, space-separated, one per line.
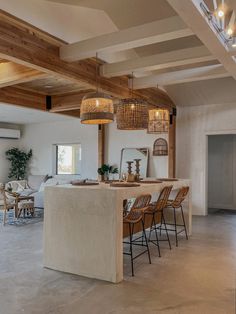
pixel 19 160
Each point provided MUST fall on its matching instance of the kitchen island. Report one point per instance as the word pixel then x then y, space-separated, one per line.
pixel 83 227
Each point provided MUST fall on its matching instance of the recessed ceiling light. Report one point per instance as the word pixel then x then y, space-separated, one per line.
pixel 48 86
pixel 220 13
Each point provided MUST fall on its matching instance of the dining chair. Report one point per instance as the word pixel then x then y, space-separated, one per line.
pixel 9 202
pixel 132 218
pixel 157 209
pixel 176 204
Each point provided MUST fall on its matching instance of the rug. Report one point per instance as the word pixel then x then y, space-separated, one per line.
pixel 38 217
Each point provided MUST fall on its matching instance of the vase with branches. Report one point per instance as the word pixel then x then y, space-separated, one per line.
pixel 18 162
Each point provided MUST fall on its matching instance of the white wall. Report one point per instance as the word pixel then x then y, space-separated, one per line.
pixel 6 144
pixel 41 137
pixel 193 125
pixel 117 139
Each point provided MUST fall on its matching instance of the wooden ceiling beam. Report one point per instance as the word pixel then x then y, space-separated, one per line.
pixel 68 102
pixel 16 96
pixel 12 74
pixel 28 48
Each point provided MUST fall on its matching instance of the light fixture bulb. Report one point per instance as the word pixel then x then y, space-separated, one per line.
pixel 220 13
pixel 97 102
pixel 132 106
pixel 229 31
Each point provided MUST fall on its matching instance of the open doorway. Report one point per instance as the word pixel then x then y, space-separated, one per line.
pixel 222 173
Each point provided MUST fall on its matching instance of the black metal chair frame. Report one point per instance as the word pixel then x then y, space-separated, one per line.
pixel 135 241
pixel 132 218
pixel 176 225
pixel 155 227
pixel 159 208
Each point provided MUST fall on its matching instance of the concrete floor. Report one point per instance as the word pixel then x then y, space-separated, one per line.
pixel 196 277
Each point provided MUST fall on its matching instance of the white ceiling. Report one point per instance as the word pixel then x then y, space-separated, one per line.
pixel 19 115
pixel 70 23
pixel 209 92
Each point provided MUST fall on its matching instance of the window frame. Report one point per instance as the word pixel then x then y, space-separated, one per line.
pixel 55 159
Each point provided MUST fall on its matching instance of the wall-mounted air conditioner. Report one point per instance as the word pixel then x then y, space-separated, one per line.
pixel 9 133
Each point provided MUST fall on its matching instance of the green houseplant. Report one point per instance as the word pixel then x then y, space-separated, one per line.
pixel 19 160
pixel 105 170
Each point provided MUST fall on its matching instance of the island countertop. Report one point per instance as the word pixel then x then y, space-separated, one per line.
pixel 83 227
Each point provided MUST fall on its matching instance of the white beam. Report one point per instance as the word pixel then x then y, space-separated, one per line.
pixel 146 34
pixel 183 76
pixel 192 14
pixel 159 61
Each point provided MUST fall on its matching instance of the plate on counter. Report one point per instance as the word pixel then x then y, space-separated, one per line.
pixel 83 183
pixel 124 185
pixel 167 179
pixel 150 181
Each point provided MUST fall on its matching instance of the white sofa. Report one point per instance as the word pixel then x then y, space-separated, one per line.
pixel 36 184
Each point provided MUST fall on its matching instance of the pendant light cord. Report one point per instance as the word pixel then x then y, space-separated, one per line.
pixel 97 68
pixel 132 84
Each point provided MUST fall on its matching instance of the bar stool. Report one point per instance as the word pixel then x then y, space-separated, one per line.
pixel 133 217
pixel 155 209
pixel 177 204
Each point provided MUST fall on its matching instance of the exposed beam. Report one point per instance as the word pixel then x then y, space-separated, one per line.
pixel 158 61
pixel 146 34
pixel 68 102
pixel 183 76
pixel 191 13
pixel 12 73
pixel 20 45
pixel 15 96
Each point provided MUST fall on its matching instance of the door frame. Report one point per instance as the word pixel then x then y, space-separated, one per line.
pixel 205 170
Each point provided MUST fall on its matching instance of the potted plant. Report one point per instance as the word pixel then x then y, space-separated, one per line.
pixel 19 161
pixel 105 170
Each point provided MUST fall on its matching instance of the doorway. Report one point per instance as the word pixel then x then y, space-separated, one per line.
pixel 221 173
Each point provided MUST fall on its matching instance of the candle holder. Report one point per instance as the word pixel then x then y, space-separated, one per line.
pixel 129 167
pixel 137 170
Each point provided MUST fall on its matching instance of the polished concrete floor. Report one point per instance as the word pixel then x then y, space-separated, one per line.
pixel 196 277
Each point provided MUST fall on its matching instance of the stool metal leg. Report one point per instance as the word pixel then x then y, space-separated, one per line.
pixel 146 241
pixel 185 229
pixel 131 247
pixel 164 222
pixel 175 225
pixel 156 242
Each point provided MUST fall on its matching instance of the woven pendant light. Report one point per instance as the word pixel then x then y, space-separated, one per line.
pixel 132 113
pixel 97 107
pixel 158 121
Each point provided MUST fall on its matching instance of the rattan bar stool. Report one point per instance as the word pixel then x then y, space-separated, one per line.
pixel 175 205
pixel 133 217
pixel 158 209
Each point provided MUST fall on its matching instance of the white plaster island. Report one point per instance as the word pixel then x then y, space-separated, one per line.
pixel 83 227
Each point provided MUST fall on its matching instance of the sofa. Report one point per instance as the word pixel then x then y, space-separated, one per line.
pixel 35 185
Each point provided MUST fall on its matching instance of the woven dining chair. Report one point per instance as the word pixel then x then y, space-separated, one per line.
pixel 175 205
pixel 7 204
pixel 133 217
pixel 154 210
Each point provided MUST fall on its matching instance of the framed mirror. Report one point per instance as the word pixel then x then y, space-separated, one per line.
pixel 130 154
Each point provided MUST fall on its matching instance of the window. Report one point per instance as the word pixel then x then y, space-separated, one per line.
pixel 68 159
